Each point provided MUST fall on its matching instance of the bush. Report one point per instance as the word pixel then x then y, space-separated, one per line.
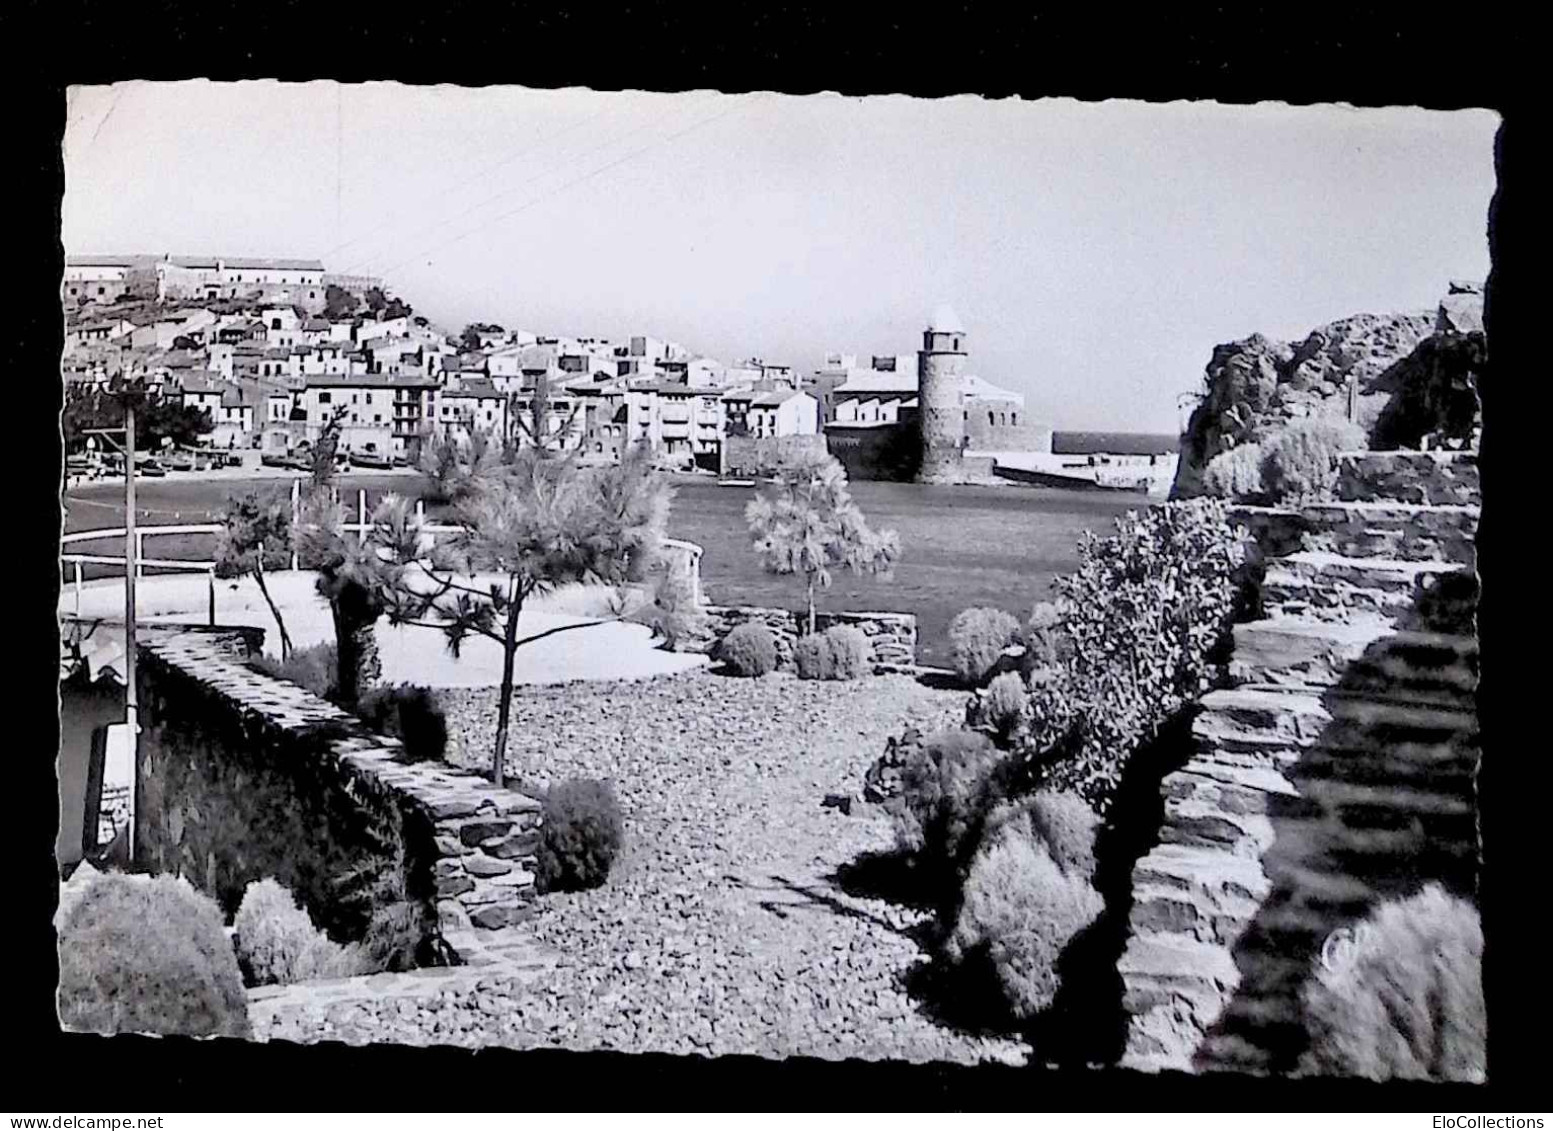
pixel 672 611
pixel 948 786
pixel 1144 618
pixel 851 655
pixel 1235 474
pixel 580 833
pixel 1300 462
pixel 749 650
pixel 314 668
pixel 410 714
pixel 1045 641
pixel 1019 910
pixel 979 637
pixel 1403 999
pixel 840 652
pixel 1060 820
pixel 1003 705
pixel 277 943
pixel 812 657
pixel 149 955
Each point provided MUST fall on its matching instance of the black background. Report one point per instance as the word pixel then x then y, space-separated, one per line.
pixel 1463 55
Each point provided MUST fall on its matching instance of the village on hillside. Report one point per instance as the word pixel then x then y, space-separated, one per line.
pixel 273 349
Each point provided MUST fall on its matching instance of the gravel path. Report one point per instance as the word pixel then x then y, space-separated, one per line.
pixel 721 929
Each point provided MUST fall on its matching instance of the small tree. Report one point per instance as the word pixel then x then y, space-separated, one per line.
pixel 532 428
pixel 255 536
pixel 809 525
pixel 354 574
pixel 537 523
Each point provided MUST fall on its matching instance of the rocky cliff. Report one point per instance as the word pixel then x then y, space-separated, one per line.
pixel 1412 375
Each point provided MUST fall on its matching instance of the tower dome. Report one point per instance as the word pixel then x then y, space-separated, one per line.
pixel 946 321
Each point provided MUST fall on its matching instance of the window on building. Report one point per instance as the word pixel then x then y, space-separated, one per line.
pixel 1002 418
pixel 323 398
pixel 990 421
pixel 966 414
pixel 1013 418
pixel 377 418
pixel 102 290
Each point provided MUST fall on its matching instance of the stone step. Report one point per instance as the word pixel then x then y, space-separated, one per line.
pixel 1433 764
pixel 1397 575
pixel 1291 725
pixel 1366 655
pixel 1405 531
pixel 1409 477
pixel 1323 586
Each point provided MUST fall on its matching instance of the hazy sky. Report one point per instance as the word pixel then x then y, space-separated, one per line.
pixel 1096 252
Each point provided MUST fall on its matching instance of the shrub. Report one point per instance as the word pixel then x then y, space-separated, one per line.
pixel 1045 641
pixel 1143 617
pixel 314 668
pixel 749 650
pixel 1003 704
pixel 1060 820
pixel 948 785
pixel 851 655
pixel 840 652
pixel 812 657
pixel 1019 910
pixel 149 955
pixel 1300 461
pixel 1403 999
pixel 277 943
pixel 410 714
pixel 979 637
pixel 580 833
pixel 672 611
pixel 1235 474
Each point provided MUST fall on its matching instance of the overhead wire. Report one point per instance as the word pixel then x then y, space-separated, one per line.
pixel 577 181
pixel 553 169
pixel 484 175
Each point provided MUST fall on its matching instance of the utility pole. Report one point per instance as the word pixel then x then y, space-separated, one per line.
pixel 131 699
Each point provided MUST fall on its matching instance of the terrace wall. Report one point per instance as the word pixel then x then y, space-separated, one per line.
pixel 892 636
pixel 244 776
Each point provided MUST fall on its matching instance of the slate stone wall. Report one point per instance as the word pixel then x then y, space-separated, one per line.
pixel 244 776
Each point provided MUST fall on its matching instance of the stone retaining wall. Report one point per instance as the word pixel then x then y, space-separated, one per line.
pixel 244 776
pixel 1337 774
pixel 892 636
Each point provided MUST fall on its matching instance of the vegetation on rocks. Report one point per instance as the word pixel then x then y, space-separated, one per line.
pixel 277 943
pixel 149 955
pixel 1235 474
pixel 748 650
pixel 1402 996
pixel 580 834
pixel 1299 462
pixel 979 637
